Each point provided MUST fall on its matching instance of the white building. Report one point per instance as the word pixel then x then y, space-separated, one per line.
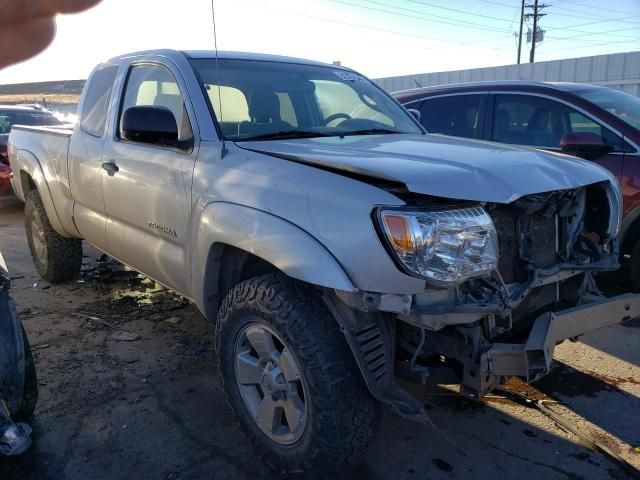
pixel 618 70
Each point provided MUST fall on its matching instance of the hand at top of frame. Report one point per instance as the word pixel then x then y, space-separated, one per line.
pixel 27 26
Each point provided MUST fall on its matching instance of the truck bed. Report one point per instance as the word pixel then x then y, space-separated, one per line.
pixel 43 151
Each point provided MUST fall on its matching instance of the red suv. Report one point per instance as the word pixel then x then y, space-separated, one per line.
pixel 593 122
pixel 17 115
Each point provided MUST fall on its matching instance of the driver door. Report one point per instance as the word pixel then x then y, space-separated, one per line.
pixel 146 186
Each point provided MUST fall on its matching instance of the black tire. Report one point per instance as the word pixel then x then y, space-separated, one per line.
pixel 21 402
pixel 63 256
pixel 632 268
pixel 30 396
pixel 342 416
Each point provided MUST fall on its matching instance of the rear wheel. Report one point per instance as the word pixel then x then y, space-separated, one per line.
pixel 55 257
pixel 290 378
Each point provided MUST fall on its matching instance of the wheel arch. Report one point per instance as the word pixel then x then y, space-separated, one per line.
pixel 629 231
pixel 233 242
pixel 32 178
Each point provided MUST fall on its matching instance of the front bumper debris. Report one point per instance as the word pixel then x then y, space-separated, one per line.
pixel 531 360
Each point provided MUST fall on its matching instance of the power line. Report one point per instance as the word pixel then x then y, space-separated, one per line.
pixel 571 27
pixel 572 37
pixel 571 15
pixel 461 23
pixel 537 8
pixel 365 27
pixel 520 32
pixel 597 8
pixel 500 19
pixel 597 45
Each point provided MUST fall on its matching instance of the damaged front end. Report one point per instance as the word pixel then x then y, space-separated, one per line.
pixel 506 283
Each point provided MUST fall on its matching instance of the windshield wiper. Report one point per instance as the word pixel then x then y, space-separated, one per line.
pixel 370 131
pixel 286 134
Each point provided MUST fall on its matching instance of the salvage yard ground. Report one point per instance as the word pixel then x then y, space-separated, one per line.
pixel 129 390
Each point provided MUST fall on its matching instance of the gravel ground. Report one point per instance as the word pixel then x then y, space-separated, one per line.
pixel 129 390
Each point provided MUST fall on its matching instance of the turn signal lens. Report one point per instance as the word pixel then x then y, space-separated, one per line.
pixel 399 232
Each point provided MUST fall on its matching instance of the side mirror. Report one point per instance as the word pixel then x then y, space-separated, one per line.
pixel 155 125
pixel 584 144
pixel 414 112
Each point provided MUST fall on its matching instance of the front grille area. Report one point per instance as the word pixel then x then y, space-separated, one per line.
pixel 540 248
pixel 509 264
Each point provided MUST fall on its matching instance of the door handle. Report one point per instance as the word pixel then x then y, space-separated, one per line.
pixel 111 168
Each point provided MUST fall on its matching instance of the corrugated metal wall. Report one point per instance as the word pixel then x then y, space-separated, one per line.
pixel 618 70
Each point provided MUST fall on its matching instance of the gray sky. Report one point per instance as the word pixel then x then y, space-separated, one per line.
pixel 377 37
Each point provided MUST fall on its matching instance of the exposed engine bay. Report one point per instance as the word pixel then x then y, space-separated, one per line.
pixel 504 321
pixel 550 246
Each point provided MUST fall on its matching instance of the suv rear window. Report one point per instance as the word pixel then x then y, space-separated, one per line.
pixel 96 102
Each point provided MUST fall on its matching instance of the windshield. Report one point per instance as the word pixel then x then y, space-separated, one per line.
pixel 8 118
pixel 621 104
pixel 264 100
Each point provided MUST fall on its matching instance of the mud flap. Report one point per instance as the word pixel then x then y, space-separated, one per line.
pixel 372 341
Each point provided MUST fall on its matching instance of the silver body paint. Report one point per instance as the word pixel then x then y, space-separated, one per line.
pixel 288 202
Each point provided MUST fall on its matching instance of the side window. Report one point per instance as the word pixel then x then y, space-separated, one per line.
pixel 455 115
pixel 96 102
pixel 581 123
pixel 152 85
pixel 542 122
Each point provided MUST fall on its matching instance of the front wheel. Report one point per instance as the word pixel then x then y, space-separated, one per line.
pixel 56 258
pixel 290 378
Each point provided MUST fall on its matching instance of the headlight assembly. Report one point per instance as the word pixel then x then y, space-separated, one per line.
pixel 444 247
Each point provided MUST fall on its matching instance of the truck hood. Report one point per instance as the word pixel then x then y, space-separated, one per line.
pixel 441 166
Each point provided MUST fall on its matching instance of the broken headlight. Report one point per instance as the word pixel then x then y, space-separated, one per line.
pixel 444 247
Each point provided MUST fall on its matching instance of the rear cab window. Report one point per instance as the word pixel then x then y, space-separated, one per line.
pixel 154 85
pixel 93 117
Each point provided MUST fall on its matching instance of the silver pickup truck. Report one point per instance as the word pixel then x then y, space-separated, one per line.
pixel 333 242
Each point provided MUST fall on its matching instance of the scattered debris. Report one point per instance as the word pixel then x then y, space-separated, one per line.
pixel 40 347
pixel 174 320
pixel 442 465
pixel 30 312
pixel 585 437
pixel 95 319
pixel 124 336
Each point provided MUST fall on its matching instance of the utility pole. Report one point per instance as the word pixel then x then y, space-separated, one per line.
pixel 520 35
pixel 536 14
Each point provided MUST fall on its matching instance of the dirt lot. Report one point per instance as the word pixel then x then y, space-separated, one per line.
pixel 129 390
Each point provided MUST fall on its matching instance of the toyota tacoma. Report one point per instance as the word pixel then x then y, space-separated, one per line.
pixel 336 246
